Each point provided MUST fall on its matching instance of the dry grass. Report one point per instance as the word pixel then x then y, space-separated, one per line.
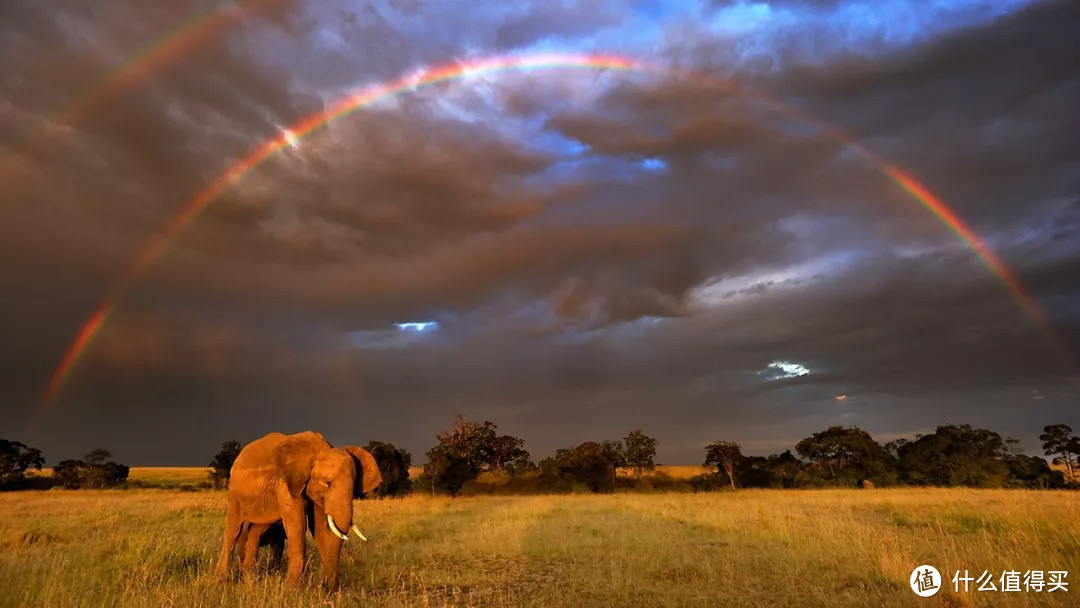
pixel 158 477
pixel 752 548
pixel 673 471
pixel 170 474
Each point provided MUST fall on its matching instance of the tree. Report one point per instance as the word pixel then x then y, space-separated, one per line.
pixel 67 473
pixel 508 453
pixel 15 459
pixel 100 472
pixel 93 471
pixel 221 465
pixel 448 471
pixel 1032 472
pixel 615 454
pixel 956 456
pixel 471 441
pixel 640 451
pixel 1074 449
pixel 97 457
pixel 848 455
pixel 467 449
pixel 586 464
pixel 893 447
pixel 724 455
pixel 786 466
pixel 1056 440
pixel 394 466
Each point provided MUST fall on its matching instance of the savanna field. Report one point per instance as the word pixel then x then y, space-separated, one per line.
pixel 157 547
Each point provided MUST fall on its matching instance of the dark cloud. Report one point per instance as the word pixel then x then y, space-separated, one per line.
pixel 600 252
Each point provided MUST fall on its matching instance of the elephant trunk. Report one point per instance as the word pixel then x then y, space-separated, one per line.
pixel 339 513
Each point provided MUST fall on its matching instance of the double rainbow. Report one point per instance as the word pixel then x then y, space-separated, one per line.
pixel 491 65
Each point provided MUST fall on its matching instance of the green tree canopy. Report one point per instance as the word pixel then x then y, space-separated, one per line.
pixel 1058 441
pixel 221 465
pixel 587 463
pixel 394 466
pixel 15 459
pixel 468 448
pixel 956 455
pixel 640 450
pixel 725 456
pixel 847 455
pixel 93 471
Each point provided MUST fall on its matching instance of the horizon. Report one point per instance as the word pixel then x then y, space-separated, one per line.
pixel 419 455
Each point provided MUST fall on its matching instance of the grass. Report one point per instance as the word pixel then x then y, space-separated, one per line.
pixel 154 548
pixel 158 477
pixel 673 471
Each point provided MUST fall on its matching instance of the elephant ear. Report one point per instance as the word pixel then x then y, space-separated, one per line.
pixel 368 476
pixel 295 457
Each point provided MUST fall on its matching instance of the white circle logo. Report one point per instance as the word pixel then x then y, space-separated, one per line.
pixel 925 581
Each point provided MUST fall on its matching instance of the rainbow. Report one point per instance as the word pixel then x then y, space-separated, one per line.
pixel 937 207
pixel 181 39
pixel 478 67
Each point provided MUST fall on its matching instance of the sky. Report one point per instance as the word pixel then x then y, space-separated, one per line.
pixel 569 253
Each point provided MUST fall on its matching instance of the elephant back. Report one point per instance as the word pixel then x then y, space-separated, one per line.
pixel 269 452
pixel 258 453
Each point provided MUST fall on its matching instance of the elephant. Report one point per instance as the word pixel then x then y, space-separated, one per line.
pixel 300 481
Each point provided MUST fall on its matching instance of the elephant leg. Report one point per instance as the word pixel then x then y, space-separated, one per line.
pixel 232 531
pixel 241 541
pixel 295 531
pixel 329 549
pixel 277 545
pixel 249 546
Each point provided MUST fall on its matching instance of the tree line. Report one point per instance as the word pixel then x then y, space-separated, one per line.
pixel 95 470
pixel 839 456
pixel 473 456
pixel 469 448
pixel 953 455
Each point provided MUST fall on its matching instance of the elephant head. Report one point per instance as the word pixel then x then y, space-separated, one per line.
pixel 324 475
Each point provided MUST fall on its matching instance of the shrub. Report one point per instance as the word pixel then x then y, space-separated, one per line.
pixel 94 471
pixel 394 466
pixel 221 465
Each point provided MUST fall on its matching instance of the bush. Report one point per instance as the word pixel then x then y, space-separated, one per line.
pixel 394 466
pixel 92 472
pixel 467 449
pixel 221 465
pixel 448 472
pixel 709 483
pixel 587 464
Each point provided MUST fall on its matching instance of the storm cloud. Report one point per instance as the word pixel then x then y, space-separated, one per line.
pixel 596 251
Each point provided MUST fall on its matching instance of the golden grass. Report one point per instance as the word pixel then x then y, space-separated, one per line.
pixel 828 548
pixel 673 471
pixel 167 477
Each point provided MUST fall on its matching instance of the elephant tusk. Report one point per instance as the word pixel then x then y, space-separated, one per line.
pixel 357 532
pixel 334 528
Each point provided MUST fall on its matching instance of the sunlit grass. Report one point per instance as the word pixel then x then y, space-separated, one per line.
pixel 672 471
pixel 752 548
pixel 157 476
